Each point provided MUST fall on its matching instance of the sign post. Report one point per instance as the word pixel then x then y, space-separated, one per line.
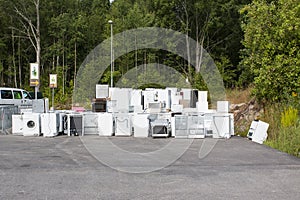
pixel 53 84
pixel 34 77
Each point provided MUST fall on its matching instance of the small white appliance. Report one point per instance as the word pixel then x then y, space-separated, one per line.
pixel 101 91
pixel 40 105
pixel 17 124
pixel 105 124
pixel 31 124
pixel 177 108
pixel 49 124
pixel 136 98
pixel 140 124
pixel 122 97
pixel 222 106
pixel 123 124
pixel 160 128
pixel 258 131
pixel 90 123
pixel 202 96
pixel 202 106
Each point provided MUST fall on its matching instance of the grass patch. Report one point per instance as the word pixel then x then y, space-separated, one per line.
pixel 288 140
pixel 236 96
pixel 284 129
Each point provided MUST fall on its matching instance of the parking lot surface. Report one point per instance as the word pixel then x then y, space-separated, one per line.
pixel 65 168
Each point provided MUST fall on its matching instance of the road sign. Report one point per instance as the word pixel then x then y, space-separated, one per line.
pixel 53 81
pixel 34 82
pixel 34 71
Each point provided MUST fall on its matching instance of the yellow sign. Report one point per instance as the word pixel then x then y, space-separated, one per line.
pixel 34 82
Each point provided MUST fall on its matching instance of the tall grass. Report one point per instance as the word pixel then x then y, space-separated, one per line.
pixel 284 131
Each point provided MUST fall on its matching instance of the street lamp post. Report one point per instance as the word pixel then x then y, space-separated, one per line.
pixel 111 53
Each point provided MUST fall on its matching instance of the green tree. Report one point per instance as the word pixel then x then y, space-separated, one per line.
pixel 272 35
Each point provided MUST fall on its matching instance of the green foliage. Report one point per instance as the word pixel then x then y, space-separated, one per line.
pixel 272 35
pixel 284 131
pixel 289 117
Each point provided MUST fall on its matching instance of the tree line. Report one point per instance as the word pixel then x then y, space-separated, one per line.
pixel 252 42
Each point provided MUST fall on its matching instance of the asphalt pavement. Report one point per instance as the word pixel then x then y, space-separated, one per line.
pixel 66 168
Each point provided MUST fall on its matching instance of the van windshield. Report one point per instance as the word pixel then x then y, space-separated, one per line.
pixel 26 95
pixel 6 94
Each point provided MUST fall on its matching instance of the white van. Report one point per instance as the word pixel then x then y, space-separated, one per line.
pixel 15 96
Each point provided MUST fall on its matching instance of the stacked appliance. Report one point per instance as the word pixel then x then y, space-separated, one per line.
pixel 40 105
pixel 100 103
pixel 136 101
pixel 121 97
pixel 202 104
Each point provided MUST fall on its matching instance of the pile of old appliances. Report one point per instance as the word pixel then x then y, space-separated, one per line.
pixel 169 112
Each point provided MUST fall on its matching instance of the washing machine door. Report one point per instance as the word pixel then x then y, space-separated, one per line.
pixel 31 124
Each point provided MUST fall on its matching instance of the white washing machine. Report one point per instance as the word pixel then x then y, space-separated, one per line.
pixel 90 123
pixel 140 124
pixel 123 124
pixel 31 124
pixel 50 124
pixel 105 124
pixel 17 124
